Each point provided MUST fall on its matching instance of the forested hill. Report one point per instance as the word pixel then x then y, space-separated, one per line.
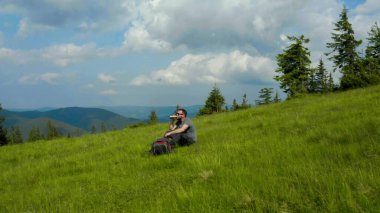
pixel 73 120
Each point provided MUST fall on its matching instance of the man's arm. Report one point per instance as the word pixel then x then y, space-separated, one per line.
pixel 179 130
pixel 172 126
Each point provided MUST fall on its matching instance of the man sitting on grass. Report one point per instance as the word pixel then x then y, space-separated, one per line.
pixel 181 130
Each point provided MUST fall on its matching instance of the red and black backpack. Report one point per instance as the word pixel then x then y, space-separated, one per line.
pixel 161 146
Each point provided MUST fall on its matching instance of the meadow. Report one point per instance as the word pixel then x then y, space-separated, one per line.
pixel 317 153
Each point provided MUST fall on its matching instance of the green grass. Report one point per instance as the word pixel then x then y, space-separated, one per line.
pixel 319 153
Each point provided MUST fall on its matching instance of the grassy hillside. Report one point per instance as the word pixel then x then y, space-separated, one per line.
pixel 315 154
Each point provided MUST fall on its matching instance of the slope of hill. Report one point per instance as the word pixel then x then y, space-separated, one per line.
pixel 73 120
pixel 313 154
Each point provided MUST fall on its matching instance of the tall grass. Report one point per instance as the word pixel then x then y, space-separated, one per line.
pixel 319 153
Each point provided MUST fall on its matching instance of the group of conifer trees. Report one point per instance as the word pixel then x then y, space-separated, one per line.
pixel 296 76
pixel 11 136
pixel 216 103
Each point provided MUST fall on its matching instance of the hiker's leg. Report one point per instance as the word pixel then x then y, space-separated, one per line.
pixel 185 140
pixel 175 139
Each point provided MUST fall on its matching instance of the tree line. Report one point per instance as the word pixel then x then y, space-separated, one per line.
pixel 14 136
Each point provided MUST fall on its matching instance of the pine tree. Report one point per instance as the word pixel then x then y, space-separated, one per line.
pixel 330 83
pixel 235 105
pixel 245 104
pixel 344 55
pixel 153 119
pixel 34 134
pixel 276 98
pixel 103 127
pixel 15 136
pixel 321 77
pixel 312 81
pixel 93 129
pixel 372 58
pixel 3 131
pixel 294 67
pixel 52 131
pixel 214 102
pixel 373 48
pixel 265 96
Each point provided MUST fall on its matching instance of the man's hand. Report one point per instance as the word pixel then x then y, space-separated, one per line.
pixel 167 134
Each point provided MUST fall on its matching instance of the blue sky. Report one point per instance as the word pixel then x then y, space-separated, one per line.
pixel 59 53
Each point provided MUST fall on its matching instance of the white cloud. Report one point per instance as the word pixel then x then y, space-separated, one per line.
pixel 50 77
pixel 138 38
pixel 18 56
pixel 28 79
pixel 65 54
pixel 211 68
pixel 108 92
pixel 370 6
pixel 26 28
pixel 106 78
pixel 167 25
pixel 198 24
pixel 60 55
pixel 364 17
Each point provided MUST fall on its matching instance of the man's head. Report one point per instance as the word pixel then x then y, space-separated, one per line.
pixel 182 113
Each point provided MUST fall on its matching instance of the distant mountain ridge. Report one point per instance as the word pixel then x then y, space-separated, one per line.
pixel 143 112
pixel 70 120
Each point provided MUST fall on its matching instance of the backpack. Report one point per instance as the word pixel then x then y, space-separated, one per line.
pixel 161 146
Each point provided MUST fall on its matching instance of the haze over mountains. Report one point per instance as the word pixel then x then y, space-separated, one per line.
pixel 143 112
pixel 73 120
pixel 77 121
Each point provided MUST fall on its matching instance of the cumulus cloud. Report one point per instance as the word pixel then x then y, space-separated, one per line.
pixel 211 68
pixel 80 15
pixel 18 56
pixel 60 55
pixel 197 24
pixel 106 78
pixel 65 54
pixel 191 25
pixel 166 25
pixel 369 7
pixel 364 17
pixel 138 38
